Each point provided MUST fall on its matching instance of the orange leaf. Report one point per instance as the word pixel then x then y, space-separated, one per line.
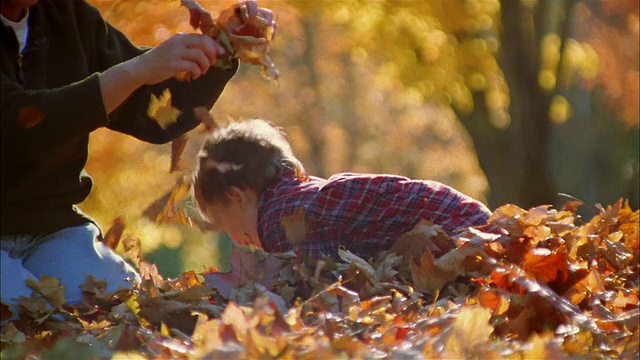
pixel 547 265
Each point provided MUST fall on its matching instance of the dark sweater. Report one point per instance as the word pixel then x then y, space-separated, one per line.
pixel 56 81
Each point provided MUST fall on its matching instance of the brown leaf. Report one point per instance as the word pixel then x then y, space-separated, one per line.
pixel 425 235
pixel 248 267
pixel 177 148
pixel 133 249
pixel 203 115
pixel 5 312
pixel 112 237
pixel 30 116
pixel 199 17
pixel 50 288
pixel 427 276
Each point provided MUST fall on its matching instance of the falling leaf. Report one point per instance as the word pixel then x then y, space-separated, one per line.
pixel 30 116
pixel 112 237
pixel 133 249
pixel 176 207
pixel 161 110
pixel 177 148
pixel 203 115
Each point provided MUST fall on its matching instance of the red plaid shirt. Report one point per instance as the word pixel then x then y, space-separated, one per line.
pixel 362 212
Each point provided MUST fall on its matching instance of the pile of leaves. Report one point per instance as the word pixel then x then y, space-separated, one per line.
pixel 551 287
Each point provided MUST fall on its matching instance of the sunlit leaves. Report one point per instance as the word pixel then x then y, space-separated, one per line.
pixel 522 294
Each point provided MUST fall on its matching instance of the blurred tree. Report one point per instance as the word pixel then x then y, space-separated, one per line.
pixel 508 69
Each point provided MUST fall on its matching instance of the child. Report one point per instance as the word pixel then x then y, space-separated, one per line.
pixel 249 184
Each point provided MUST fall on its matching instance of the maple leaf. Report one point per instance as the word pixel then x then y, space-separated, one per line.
pixel 30 116
pixel 248 267
pixel 50 288
pixel 470 328
pixel 430 274
pixel 176 207
pixel 161 110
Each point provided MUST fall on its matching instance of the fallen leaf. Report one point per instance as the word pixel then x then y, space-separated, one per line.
pixel 470 328
pixel 50 288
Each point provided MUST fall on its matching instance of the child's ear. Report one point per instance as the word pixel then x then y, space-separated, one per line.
pixel 238 195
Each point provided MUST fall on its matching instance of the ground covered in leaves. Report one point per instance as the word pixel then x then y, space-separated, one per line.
pixel 553 286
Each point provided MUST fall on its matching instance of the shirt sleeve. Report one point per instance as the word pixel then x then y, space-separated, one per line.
pixel 112 47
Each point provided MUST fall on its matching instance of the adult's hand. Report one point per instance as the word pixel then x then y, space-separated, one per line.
pixel 182 53
pixel 191 53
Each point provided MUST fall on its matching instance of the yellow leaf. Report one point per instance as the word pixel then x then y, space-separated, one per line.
pixel 161 110
pixel 470 328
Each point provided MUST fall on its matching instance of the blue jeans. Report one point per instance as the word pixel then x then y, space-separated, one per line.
pixel 67 255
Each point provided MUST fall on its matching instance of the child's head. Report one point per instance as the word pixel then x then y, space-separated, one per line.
pixel 235 165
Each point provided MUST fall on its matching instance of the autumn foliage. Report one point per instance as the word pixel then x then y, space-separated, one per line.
pixel 551 287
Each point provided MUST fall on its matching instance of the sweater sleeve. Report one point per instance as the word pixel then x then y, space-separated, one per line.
pixel 35 120
pixel 109 46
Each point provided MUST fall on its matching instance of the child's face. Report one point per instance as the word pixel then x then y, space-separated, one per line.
pixel 238 217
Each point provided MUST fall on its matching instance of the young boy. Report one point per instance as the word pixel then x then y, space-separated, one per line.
pixel 249 185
